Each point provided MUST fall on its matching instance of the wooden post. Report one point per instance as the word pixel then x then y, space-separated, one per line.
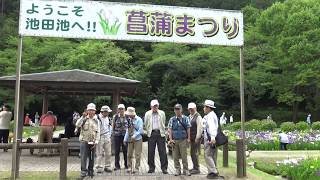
pixel 63 158
pixel 21 113
pixel 45 102
pixel 242 104
pixel 15 152
pixel 225 155
pixel 240 158
pixel 15 161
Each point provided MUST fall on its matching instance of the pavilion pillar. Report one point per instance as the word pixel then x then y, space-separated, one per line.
pixel 115 100
pixel 45 103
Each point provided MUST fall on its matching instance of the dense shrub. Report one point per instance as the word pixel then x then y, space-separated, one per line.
pixel 253 125
pixel 233 127
pixel 316 125
pixel 268 125
pixel 266 167
pixel 302 126
pixel 287 126
pixel 306 170
pixel 279 115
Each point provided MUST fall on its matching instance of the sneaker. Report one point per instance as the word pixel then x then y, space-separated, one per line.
pixel 107 170
pixel 151 171
pixel 177 173
pixel 116 168
pixel 212 176
pixel 186 173
pixel 164 171
pixel 194 171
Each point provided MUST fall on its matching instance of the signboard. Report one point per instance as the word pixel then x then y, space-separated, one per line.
pixel 132 22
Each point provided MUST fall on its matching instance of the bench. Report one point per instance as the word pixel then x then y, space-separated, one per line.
pixel 73 145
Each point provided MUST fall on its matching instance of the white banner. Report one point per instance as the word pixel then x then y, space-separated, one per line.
pixel 132 22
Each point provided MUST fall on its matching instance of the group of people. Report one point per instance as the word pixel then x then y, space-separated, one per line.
pixel 28 121
pixel 223 119
pixel 129 130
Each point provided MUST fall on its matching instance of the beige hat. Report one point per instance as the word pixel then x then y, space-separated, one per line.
pixel 192 105
pixel 121 106
pixel 105 108
pixel 131 111
pixel 154 102
pixel 91 106
pixel 209 103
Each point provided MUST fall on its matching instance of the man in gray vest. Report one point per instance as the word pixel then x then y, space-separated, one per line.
pixel 196 132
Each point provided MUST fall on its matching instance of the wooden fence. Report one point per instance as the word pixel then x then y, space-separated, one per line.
pixel 63 151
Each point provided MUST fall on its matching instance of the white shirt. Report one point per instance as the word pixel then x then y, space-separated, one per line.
pixel 211 125
pixel 231 119
pixel 223 119
pixel 283 138
pixel 155 121
pixel 105 127
pixel 5 118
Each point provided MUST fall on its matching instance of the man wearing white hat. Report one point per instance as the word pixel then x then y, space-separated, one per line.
pixel 154 121
pixel 104 146
pixel 120 125
pixel 133 138
pixel 196 132
pixel 89 138
pixel 210 122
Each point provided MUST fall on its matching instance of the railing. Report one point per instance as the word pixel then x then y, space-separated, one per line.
pixel 240 153
pixel 62 146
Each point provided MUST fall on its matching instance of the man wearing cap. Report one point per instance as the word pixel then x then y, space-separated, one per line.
pixel 195 136
pixel 120 125
pixel 104 145
pixel 179 136
pixel 154 124
pixel 133 138
pixel 210 121
pixel 89 138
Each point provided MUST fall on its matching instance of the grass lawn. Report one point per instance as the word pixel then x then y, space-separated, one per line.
pixel 39 175
pixel 29 131
pixel 231 171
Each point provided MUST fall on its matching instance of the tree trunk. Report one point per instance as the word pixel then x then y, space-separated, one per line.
pixel 295 110
pixel 2 7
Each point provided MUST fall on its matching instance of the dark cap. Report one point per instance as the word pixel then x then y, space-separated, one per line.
pixel 178 106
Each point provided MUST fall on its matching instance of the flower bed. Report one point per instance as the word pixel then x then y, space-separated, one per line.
pixel 268 140
pixel 296 169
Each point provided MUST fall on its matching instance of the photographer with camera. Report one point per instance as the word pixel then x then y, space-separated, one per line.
pixel 179 135
pixel 89 138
